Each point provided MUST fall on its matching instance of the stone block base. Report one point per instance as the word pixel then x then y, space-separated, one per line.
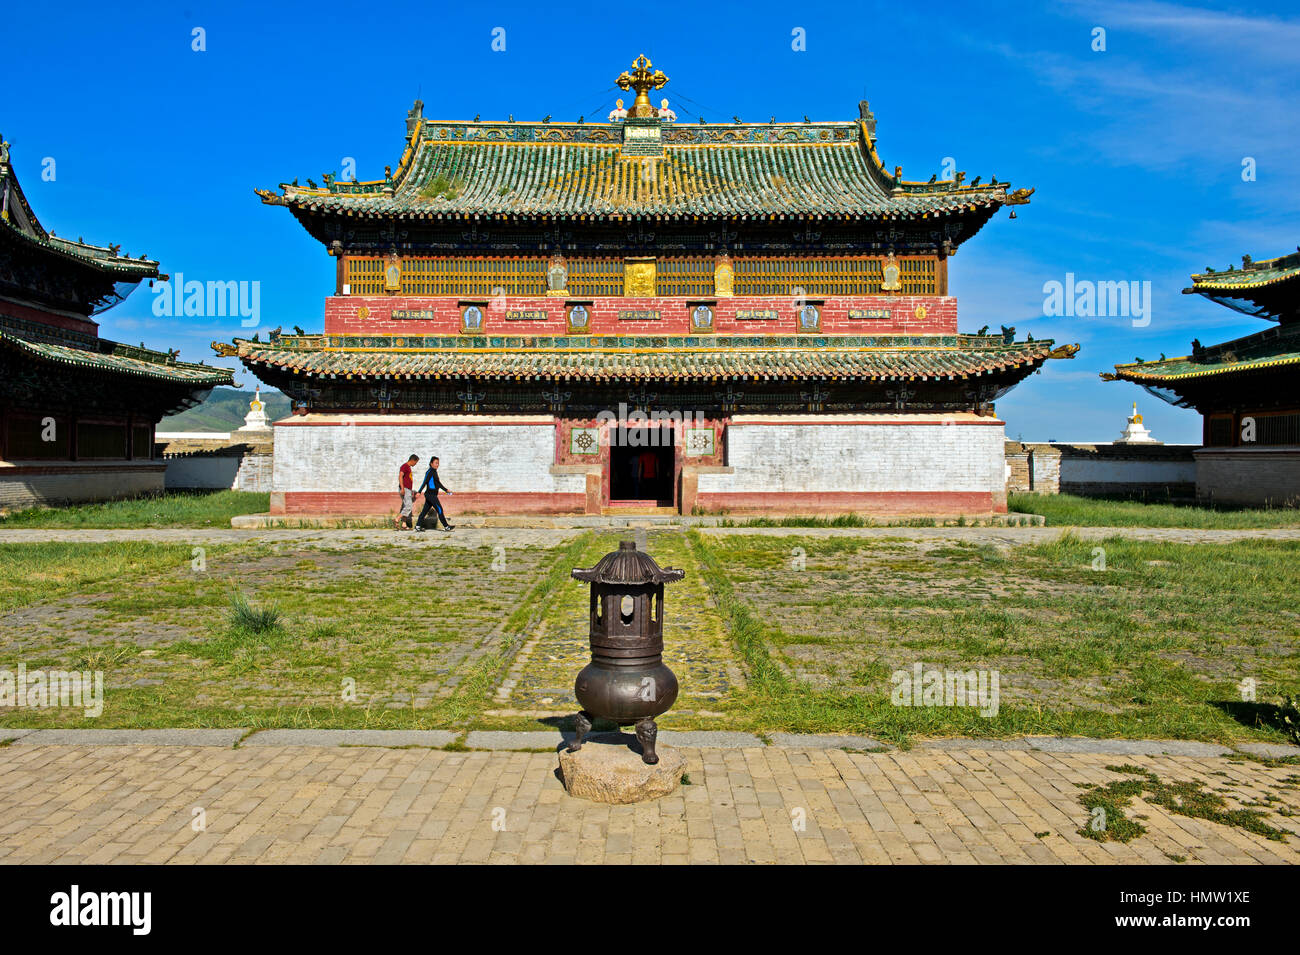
pixel 609 769
pixel 55 484
pixel 1265 477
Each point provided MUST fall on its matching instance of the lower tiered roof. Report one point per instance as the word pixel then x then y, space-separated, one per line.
pixel 633 358
pixel 37 343
pixel 1271 348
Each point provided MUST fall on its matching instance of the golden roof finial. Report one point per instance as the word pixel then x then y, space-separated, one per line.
pixel 643 81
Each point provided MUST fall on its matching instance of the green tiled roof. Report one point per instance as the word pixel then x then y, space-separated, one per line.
pixel 583 170
pixel 609 358
pixel 1269 288
pixel 1271 348
pixel 116 359
pixel 20 223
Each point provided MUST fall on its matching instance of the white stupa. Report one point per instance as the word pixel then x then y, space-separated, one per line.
pixel 255 420
pixel 1135 431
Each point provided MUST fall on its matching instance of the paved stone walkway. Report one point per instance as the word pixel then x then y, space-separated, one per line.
pixel 556 536
pixel 324 537
pixel 1022 535
pixel 301 804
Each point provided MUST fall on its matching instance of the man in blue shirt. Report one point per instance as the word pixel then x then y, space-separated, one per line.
pixel 430 486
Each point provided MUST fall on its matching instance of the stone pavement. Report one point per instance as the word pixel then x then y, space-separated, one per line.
pixel 760 804
pixel 323 537
pixel 465 536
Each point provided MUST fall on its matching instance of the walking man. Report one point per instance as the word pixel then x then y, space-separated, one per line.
pixel 404 492
pixel 430 486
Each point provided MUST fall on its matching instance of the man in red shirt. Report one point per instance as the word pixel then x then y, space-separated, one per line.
pixel 406 492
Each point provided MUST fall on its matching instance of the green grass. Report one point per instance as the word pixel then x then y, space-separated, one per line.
pixel 45 572
pixel 172 509
pixel 442 186
pixel 766 634
pixel 252 619
pixel 1063 510
pixel 1108 821
pixel 1155 646
pixel 270 635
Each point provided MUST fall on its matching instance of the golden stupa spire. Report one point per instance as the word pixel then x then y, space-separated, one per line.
pixel 641 79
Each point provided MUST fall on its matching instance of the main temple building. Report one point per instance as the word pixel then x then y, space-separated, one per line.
pixel 644 315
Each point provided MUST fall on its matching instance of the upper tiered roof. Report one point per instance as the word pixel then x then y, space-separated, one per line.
pixel 38 268
pixel 108 275
pixel 612 358
pixel 644 166
pixel 1267 289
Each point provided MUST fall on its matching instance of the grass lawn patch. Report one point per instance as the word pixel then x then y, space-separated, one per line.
pixel 279 635
pixel 1157 645
pixel 1066 510
pixel 172 509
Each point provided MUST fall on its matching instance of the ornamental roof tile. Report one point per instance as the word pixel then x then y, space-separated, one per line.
pixel 1270 348
pixel 831 169
pixel 611 358
pixel 117 359
pixel 1269 288
pixel 20 223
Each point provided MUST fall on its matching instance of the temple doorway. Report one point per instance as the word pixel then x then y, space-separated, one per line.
pixel 641 467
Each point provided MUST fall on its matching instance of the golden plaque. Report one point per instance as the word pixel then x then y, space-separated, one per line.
pixel 638 278
pixel 724 277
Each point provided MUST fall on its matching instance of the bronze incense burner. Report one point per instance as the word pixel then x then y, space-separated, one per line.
pixel 626 681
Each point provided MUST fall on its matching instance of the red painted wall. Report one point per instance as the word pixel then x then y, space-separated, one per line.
pixel 342 316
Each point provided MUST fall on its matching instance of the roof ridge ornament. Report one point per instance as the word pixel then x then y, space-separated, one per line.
pixel 642 80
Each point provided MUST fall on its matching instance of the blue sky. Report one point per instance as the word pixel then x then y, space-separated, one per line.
pixel 1136 151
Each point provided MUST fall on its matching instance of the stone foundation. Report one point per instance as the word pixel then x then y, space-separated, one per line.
pixel 791 464
pixel 70 482
pixel 1261 476
pixel 609 769
pixel 888 463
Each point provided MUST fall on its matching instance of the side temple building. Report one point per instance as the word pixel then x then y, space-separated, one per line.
pixel 1245 389
pixel 644 315
pixel 77 412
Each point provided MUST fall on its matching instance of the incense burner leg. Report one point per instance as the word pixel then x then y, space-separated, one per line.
pixel 582 722
pixel 646 731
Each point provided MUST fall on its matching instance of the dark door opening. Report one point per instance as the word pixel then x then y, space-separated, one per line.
pixel 641 466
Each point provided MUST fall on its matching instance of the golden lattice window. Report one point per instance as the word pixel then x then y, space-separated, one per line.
pixel 452 276
pixel 684 277
pixel 843 275
pixel 593 277
pixel 366 276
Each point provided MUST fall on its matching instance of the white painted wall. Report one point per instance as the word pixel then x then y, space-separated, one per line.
pixel 1249 475
pixel 365 457
pixel 861 457
pixel 1084 471
pixel 77 482
pixel 208 472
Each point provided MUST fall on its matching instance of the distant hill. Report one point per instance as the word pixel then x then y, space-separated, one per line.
pixel 224 410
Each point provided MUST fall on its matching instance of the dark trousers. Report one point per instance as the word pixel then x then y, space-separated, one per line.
pixel 431 503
